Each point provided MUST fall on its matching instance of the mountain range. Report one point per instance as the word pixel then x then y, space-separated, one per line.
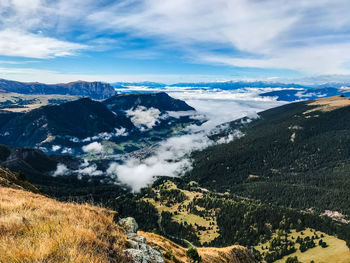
pixel 303 94
pixel 98 90
pixel 94 90
pixel 229 85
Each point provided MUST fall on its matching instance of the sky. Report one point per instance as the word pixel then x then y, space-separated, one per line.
pixel 174 40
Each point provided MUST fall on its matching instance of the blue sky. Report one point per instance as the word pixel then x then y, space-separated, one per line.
pixel 174 40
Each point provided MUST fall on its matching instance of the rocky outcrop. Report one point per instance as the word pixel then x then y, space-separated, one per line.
pixel 139 251
pixel 177 253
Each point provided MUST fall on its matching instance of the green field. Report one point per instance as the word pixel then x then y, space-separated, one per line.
pixel 336 252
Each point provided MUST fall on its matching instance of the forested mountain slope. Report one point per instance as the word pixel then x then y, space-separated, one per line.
pixel 295 155
pixel 160 101
pixel 127 122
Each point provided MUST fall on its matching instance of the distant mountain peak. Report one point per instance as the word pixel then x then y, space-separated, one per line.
pixel 94 90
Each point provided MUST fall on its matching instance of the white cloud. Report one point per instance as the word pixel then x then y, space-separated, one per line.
pixel 323 58
pixel 56 147
pixel 232 136
pixel 121 132
pixel 90 170
pixel 170 157
pixel 143 118
pixel 310 36
pixel 179 114
pixel 29 29
pixel 61 170
pixel 84 169
pixel 139 174
pixel 23 44
pixel 218 21
pixel 67 150
pixel 93 147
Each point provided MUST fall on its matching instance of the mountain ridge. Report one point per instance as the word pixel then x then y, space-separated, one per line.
pixel 94 90
pixel 304 138
pixel 161 101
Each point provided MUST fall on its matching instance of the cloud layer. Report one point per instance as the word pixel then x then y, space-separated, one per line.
pixel 171 157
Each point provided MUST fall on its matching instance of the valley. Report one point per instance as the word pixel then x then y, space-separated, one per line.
pixel 35 228
pixel 150 131
pixel 224 196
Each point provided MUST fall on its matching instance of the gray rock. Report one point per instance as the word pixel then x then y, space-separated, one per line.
pixel 132 244
pixel 129 225
pixel 141 256
pixel 139 239
pixel 138 250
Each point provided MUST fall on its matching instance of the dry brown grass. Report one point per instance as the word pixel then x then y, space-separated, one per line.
pixel 232 254
pixel 34 228
pixel 40 100
pixel 328 104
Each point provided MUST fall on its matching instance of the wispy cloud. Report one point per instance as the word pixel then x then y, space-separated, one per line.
pixel 310 36
pixel 306 36
pixel 23 44
pixel 29 29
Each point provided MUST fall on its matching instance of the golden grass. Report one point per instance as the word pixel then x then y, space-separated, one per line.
pixel 41 100
pixel 232 254
pixel 328 104
pixel 34 228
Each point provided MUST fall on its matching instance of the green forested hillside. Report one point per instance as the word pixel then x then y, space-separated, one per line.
pixel 296 155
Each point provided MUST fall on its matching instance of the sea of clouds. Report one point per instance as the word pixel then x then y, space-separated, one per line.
pixel 171 157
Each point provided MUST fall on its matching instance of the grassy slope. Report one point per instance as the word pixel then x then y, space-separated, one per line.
pixel 10 179
pixel 34 228
pixel 232 254
pixel 184 215
pixel 337 251
pixel 25 103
